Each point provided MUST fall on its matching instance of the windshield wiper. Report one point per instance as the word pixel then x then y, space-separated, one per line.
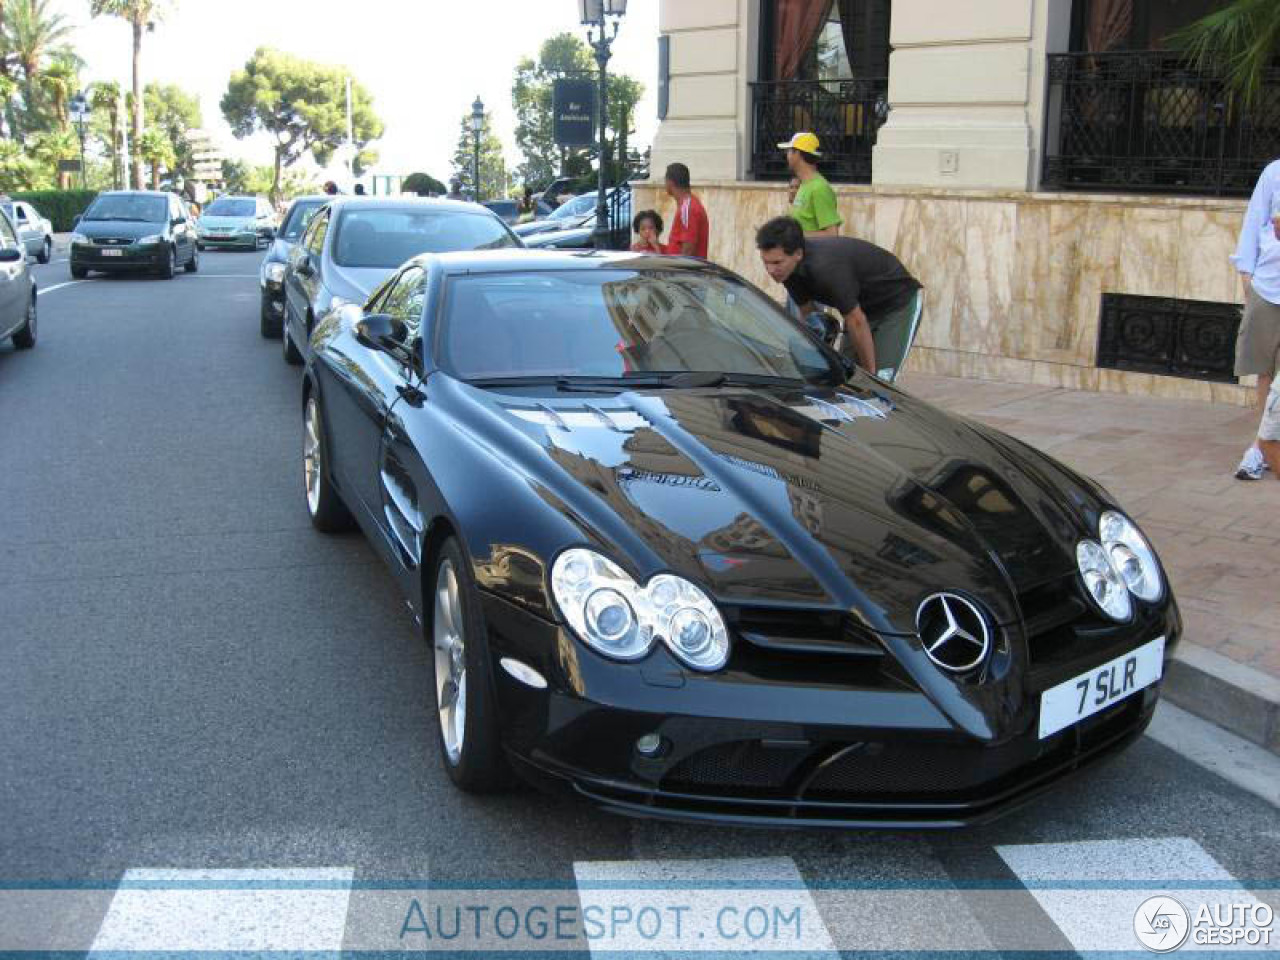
pixel 595 384
pixel 122 219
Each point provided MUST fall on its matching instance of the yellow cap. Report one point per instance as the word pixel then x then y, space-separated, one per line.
pixel 804 142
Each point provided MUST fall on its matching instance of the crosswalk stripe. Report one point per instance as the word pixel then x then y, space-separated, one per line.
pixel 1092 889
pixel 656 907
pixel 269 910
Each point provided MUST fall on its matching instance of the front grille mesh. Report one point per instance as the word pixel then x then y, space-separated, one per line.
pixel 746 763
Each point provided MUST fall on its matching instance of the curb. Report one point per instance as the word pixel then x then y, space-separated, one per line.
pixel 1237 698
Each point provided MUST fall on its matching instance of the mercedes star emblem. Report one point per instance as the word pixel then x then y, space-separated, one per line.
pixel 954 632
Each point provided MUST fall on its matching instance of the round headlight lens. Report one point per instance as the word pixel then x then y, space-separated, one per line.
pixel 1103 581
pixel 274 271
pixel 617 617
pixel 1131 555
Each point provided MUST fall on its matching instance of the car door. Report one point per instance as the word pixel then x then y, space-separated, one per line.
pixel 15 281
pixel 303 279
pixel 183 237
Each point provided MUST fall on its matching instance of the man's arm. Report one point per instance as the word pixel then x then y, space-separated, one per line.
pixel 1246 256
pixel 858 331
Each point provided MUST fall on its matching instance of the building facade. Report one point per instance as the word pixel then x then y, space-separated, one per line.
pixel 1067 188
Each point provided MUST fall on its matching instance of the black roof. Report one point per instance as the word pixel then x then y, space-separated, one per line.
pixel 539 261
pixel 341 201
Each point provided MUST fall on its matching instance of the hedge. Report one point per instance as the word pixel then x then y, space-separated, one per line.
pixel 59 207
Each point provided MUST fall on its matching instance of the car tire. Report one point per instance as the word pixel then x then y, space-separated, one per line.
pixel 193 264
pixel 292 355
pixel 79 273
pixel 170 265
pixel 462 677
pixel 327 511
pixel 25 338
pixel 270 325
pixel 46 251
pixel 200 247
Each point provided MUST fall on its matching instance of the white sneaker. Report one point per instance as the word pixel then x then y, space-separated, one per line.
pixel 1252 465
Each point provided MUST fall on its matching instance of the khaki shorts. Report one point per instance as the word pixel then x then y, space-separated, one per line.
pixel 1258 344
pixel 1269 429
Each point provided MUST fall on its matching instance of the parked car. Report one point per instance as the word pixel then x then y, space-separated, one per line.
pixel 271 273
pixel 18 293
pixel 568 214
pixel 507 210
pixel 245 223
pixel 581 235
pixel 353 244
pixel 557 191
pixel 676 556
pixel 35 232
pixel 134 230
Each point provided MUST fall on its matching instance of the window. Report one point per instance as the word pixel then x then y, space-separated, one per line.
pixel 1101 26
pixel 7 237
pixel 299 216
pixel 404 301
pixel 175 209
pixel 137 207
pixel 22 212
pixel 318 231
pixel 385 237
pixel 232 207
pixel 828 40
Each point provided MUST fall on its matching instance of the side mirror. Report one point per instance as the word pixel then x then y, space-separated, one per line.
pixel 381 331
pixel 303 268
pixel 12 255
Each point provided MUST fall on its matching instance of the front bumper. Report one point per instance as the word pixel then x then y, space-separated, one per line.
pixel 238 240
pixel 749 749
pixel 94 257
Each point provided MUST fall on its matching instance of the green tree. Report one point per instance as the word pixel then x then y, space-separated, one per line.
pixel 32 33
pixel 173 111
pixel 49 148
pixel 1244 35
pixel 105 99
pixel 302 104
pixel 17 171
pixel 493 166
pixel 157 150
pixel 423 184
pixel 235 173
pixel 141 15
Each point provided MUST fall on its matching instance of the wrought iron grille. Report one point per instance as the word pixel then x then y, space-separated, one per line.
pixel 845 114
pixel 1148 122
pixel 618 209
pixel 1178 338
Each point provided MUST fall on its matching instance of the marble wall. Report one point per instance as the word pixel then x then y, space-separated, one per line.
pixel 1013 280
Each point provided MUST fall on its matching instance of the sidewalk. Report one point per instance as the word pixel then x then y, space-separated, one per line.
pixel 1170 463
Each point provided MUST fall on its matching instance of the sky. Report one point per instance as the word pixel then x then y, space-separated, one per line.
pixel 423 61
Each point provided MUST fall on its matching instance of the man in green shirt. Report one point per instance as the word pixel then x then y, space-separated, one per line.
pixel 814 207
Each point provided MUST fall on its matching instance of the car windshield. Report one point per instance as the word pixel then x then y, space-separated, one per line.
pixel 386 238
pixel 232 207
pixel 577 207
pixel 300 215
pixel 620 323
pixel 128 206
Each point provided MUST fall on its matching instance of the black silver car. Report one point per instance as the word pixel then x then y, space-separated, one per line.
pixel 353 244
pixel 271 273
pixel 17 288
pixel 134 231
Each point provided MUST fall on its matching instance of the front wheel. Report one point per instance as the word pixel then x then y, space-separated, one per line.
pixel 170 265
pixel 78 273
pixel 25 338
pixel 270 324
pixel 193 264
pixel 328 513
pixel 46 251
pixel 466 698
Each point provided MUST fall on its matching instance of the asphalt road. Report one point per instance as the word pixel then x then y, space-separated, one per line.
pixel 192 679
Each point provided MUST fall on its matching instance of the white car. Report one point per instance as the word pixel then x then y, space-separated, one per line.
pixel 34 231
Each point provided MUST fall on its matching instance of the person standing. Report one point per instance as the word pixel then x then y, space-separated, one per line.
pixel 814 203
pixel 691 232
pixel 1257 258
pixel 874 293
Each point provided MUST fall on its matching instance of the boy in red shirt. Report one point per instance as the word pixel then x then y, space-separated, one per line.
pixel 691 230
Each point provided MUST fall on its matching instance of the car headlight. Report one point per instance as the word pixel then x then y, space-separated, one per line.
pixel 154 238
pixel 1131 555
pixel 78 238
pixel 1103 581
pixel 618 618
pixel 273 272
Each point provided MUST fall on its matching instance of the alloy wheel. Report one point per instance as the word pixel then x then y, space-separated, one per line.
pixel 311 455
pixel 450 661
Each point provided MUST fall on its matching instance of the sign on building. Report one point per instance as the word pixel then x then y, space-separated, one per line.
pixel 574 108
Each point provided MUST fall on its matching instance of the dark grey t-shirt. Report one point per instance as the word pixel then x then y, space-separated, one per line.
pixel 845 272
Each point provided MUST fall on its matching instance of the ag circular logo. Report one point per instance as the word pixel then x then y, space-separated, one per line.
pixel 1161 924
pixel 954 632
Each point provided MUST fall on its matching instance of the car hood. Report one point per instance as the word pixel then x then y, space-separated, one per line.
pixel 131 229
pixel 228 223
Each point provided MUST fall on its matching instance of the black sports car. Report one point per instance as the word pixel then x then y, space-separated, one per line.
pixel 671 553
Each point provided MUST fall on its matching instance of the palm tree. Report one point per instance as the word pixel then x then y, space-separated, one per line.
pixel 141 15
pixel 58 82
pixel 32 33
pixel 104 98
pixel 157 150
pixel 1244 35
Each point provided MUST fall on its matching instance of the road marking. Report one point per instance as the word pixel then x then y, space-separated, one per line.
pixel 58 286
pixel 1245 764
pixel 276 910
pixel 1092 889
pixel 656 906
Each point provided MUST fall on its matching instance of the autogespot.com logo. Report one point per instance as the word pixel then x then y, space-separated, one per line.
pixel 1161 924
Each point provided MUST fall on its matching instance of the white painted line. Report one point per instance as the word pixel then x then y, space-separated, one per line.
pixel 58 286
pixel 652 907
pixel 267 910
pixel 1236 760
pixel 1092 889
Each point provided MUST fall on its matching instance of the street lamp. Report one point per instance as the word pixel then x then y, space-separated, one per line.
pixel 78 109
pixel 477 124
pixel 594 15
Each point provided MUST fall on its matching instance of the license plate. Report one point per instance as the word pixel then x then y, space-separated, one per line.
pixel 113 253
pixel 1091 692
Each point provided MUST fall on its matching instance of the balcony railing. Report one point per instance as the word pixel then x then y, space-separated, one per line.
pixel 1149 122
pixel 845 114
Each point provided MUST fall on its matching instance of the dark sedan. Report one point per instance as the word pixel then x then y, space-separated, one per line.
pixel 354 243
pixel 673 555
pixel 271 273
pixel 131 231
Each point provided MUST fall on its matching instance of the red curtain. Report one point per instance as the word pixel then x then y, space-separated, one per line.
pixel 797 25
pixel 1109 24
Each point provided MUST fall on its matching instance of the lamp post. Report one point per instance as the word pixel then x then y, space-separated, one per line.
pixel 477 124
pixel 594 14
pixel 78 110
